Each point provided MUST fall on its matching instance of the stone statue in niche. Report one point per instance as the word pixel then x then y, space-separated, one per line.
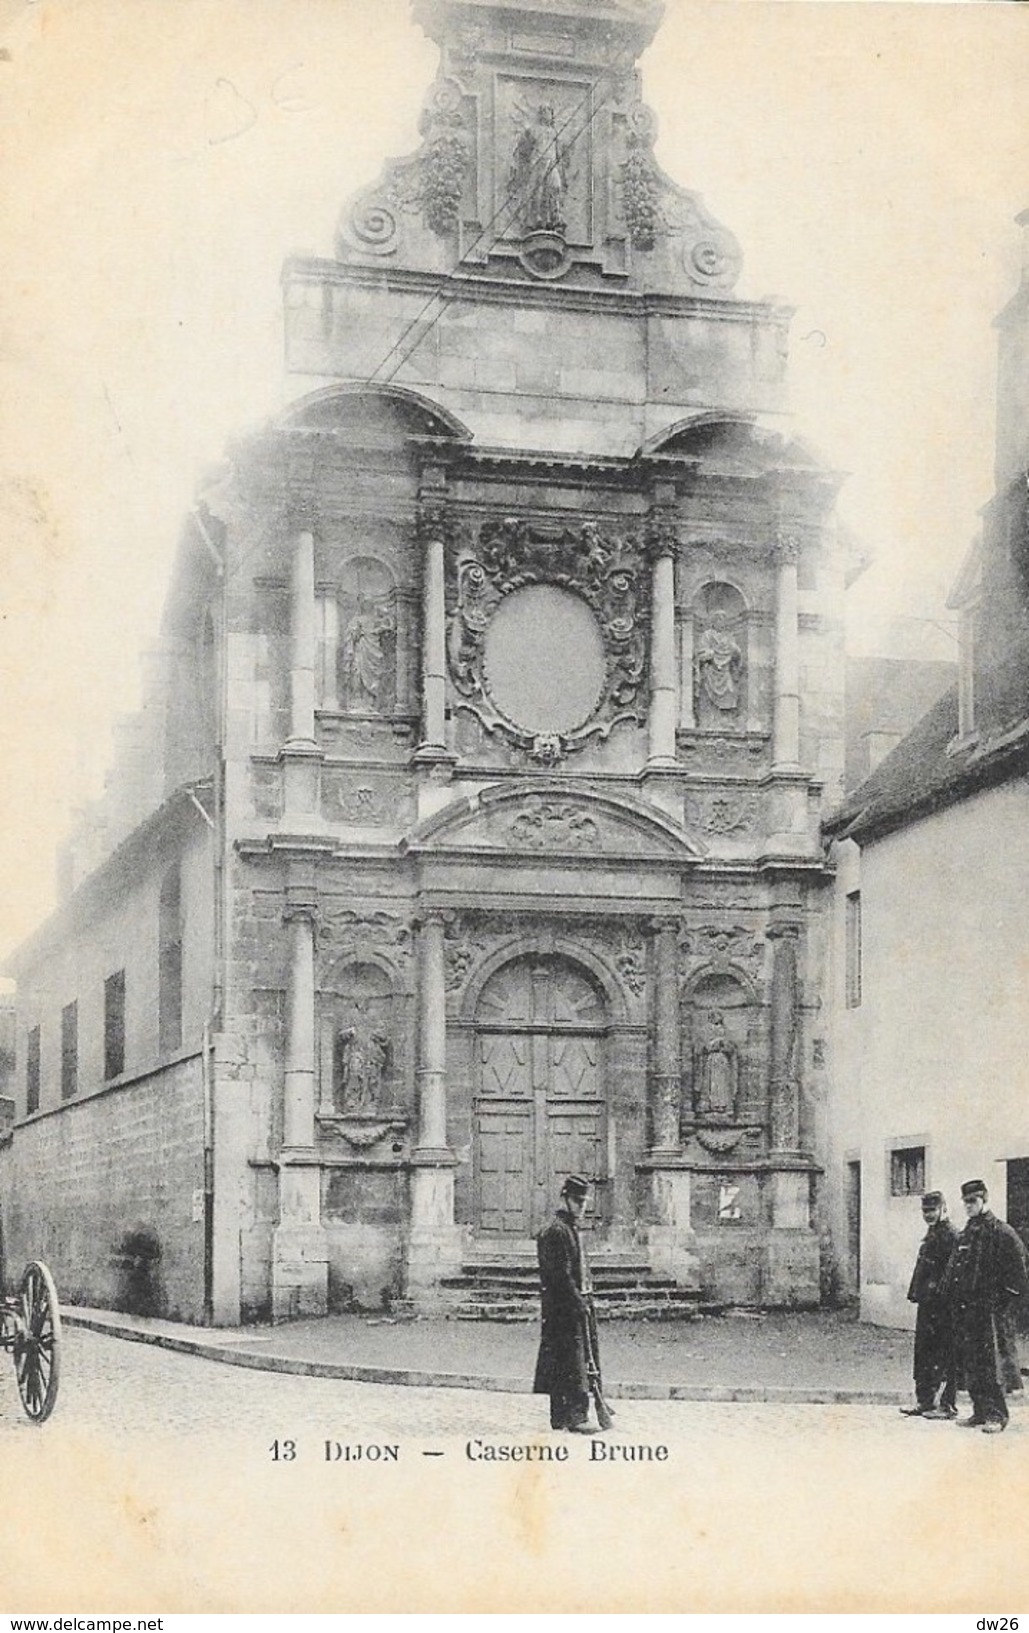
pixel 367 657
pixel 717 1073
pixel 718 664
pixel 359 1068
pixel 540 173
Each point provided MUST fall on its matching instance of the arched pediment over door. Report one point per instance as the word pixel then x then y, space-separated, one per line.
pixel 556 822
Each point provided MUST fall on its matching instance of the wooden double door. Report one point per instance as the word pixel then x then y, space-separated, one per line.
pixel 540 1103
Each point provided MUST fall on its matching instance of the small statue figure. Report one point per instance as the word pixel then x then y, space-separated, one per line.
pixel 719 665
pixel 360 1068
pixel 363 669
pixel 539 174
pixel 718 1070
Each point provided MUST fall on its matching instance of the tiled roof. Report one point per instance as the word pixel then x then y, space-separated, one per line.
pixel 925 773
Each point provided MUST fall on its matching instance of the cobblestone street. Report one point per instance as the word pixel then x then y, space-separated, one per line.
pixel 154 1485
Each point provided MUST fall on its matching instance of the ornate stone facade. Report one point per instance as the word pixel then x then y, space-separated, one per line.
pixel 517 849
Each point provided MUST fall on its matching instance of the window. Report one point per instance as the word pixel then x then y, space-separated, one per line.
pixel 114 1025
pixel 169 956
pixel 69 1050
pixel 32 1071
pixel 853 933
pixel 907 1171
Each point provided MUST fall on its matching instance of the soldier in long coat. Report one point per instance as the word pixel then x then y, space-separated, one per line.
pixel 934 1335
pixel 987 1276
pixel 568 1340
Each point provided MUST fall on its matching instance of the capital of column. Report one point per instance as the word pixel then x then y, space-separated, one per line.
pixel 788 930
pixel 786 548
pixel 661 536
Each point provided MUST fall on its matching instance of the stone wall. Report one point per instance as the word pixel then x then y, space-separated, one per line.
pixel 109 1191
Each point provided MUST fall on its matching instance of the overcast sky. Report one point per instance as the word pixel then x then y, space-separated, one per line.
pixel 162 158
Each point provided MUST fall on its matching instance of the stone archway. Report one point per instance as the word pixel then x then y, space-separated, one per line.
pixel 540 1099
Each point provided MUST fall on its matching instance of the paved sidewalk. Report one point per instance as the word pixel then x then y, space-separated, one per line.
pixel 820 1356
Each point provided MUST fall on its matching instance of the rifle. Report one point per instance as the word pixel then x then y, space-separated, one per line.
pixel 605 1413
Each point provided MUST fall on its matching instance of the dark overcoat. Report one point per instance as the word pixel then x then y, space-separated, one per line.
pixel 562 1366
pixel 987 1277
pixel 934 1338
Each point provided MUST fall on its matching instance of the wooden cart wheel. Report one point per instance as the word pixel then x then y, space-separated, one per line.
pixel 37 1349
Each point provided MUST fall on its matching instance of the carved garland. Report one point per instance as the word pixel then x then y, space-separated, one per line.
pixel 608 572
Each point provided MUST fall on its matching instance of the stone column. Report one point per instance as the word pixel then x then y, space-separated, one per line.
pixel 662 542
pixel 786 723
pixel 434 1242
pixel 299 1251
pixel 667 1047
pixel 432 1029
pixel 300 754
pixel 784 1085
pixel 431 531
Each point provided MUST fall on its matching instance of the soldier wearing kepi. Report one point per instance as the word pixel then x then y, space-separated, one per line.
pixel 987 1275
pixel 934 1337
pixel 568 1340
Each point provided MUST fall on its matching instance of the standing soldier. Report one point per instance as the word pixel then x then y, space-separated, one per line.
pixel 987 1275
pixel 934 1337
pixel 568 1340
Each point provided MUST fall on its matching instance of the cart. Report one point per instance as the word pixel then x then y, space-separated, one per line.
pixel 30 1329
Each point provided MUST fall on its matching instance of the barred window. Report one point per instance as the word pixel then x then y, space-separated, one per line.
pixel 907 1171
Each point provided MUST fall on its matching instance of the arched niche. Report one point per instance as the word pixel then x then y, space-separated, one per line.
pixel 721 658
pixel 719 1023
pixel 359 1043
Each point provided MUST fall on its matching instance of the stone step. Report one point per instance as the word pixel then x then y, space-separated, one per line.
pixel 614 1282
pixel 641 1309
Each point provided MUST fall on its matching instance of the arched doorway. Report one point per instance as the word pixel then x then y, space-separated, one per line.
pixel 540 1102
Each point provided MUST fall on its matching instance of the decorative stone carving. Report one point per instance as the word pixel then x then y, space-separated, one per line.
pixel 719 1141
pixel 370 803
pixel 640 184
pixel 345 928
pixel 546 824
pixel 720 944
pixel 444 161
pixel 601 575
pixel 723 813
pixel 361 1135
pixel 430 183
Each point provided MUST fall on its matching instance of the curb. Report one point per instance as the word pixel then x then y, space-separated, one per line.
pixel 413 1378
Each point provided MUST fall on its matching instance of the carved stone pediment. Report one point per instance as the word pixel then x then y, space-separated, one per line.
pixel 555 820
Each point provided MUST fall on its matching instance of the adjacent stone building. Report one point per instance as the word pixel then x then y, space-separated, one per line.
pixel 472 833
pixel 930 998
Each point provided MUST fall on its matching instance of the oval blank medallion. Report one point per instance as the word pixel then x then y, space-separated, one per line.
pixel 544 659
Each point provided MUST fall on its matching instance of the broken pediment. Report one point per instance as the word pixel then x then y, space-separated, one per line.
pixel 554 820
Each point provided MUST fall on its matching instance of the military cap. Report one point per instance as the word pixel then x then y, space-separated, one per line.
pixel 575 1185
pixel 932 1199
pixel 974 1187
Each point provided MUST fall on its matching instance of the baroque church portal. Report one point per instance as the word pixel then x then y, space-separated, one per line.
pixel 499 697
